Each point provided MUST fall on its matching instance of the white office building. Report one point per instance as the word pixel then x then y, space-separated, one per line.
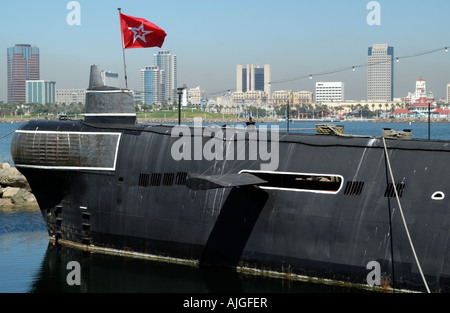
pixel 330 91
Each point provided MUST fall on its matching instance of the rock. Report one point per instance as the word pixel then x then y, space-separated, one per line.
pixel 13 178
pixel 23 197
pixel 10 192
pixel 5 202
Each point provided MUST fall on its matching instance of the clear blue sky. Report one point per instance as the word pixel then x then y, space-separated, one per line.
pixel 210 38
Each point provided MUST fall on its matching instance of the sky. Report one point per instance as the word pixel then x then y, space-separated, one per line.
pixel 296 37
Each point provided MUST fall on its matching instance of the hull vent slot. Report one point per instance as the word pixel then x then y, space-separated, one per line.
pixel 168 179
pixel 354 188
pixel 155 179
pixel 181 178
pixel 162 179
pixel 390 192
pixel 144 180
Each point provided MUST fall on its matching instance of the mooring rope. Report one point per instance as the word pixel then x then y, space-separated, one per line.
pixel 7 134
pixel 403 217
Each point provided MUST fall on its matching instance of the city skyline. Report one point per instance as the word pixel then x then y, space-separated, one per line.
pixel 296 37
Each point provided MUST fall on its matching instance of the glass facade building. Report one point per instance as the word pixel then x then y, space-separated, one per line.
pixel 167 63
pixel 380 73
pixel 151 85
pixel 23 65
pixel 40 91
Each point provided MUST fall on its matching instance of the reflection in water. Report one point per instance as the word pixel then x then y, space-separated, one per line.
pixel 107 273
pixel 30 263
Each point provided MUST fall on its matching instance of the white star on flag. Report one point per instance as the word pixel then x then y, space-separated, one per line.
pixel 139 32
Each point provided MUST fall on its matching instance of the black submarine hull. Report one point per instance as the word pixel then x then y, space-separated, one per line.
pixel 326 212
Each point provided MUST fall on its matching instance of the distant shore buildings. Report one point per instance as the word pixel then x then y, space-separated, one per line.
pixel 158 85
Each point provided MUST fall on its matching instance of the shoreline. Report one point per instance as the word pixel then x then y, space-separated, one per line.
pixel 256 120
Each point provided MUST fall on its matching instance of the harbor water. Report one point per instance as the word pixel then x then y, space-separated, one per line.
pixel 30 263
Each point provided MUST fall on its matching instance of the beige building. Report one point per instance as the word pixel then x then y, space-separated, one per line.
pixel 281 97
pixel 380 73
pixel 69 96
pixel 302 97
pixel 295 97
pixel 195 95
pixel 255 97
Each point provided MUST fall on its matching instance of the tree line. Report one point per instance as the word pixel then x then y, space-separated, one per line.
pixel 37 109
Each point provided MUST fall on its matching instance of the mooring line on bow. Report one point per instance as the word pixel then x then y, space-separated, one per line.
pixel 403 216
pixel 7 134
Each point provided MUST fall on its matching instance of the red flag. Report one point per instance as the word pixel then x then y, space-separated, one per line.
pixel 140 33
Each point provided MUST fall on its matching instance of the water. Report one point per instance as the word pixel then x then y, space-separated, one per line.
pixel 29 263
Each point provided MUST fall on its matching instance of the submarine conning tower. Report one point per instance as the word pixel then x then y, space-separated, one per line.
pixel 106 104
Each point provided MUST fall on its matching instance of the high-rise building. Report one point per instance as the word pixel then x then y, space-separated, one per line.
pixel 330 91
pixel 380 73
pixel 40 91
pixel 167 62
pixel 23 65
pixel 253 78
pixel 151 85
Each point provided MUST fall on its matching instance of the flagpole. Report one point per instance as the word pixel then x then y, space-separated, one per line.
pixel 125 69
pixel 123 52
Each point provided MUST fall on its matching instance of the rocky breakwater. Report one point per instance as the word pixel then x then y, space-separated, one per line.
pixel 15 190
